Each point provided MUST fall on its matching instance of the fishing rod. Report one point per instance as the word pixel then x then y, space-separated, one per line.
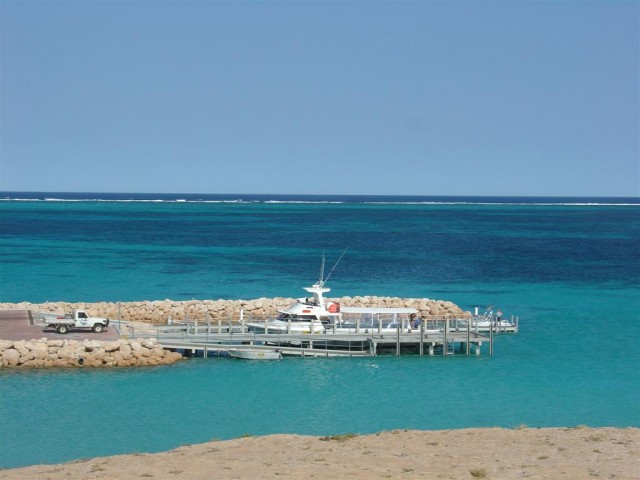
pixel 334 267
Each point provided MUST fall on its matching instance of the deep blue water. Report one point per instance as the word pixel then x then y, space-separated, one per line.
pixel 569 268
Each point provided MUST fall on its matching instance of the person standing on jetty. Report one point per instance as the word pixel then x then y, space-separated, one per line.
pixel 414 321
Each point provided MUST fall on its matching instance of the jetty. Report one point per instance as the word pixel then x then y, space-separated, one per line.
pixel 435 336
pixel 445 336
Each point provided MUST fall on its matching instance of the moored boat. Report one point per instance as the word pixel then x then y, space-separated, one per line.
pixel 492 321
pixel 315 314
pixel 307 315
pixel 255 354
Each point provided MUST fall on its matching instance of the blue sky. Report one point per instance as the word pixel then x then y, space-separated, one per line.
pixel 380 97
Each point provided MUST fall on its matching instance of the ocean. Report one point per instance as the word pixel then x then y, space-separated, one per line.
pixel 569 268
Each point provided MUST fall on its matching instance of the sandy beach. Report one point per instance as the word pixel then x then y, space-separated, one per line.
pixel 491 453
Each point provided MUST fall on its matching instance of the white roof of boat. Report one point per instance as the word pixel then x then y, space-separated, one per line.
pixel 377 310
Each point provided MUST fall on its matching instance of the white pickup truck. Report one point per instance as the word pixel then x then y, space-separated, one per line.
pixel 78 319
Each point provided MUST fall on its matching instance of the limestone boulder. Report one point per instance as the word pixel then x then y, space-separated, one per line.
pixel 40 353
pixel 91 345
pixel 111 346
pixel 11 356
pixel 125 351
pixel 67 353
pixel 26 358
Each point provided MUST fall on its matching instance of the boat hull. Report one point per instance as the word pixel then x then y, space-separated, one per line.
pixel 256 354
pixel 277 326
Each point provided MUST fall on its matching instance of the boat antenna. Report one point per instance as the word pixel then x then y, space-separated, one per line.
pixel 321 281
pixel 334 267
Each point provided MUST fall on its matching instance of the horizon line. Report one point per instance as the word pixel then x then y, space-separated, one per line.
pixel 322 194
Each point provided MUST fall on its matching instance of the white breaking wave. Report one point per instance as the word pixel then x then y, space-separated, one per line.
pixel 267 201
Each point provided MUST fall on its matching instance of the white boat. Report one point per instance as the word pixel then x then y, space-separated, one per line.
pixel 492 321
pixel 484 325
pixel 307 315
pixel 314 314
pixel 255 354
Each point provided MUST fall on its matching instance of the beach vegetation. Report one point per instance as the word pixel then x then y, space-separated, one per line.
pixel 577 427
pixel 339 438
pixel 478 473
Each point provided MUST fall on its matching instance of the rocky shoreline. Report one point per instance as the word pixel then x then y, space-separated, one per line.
pixel 160 311
pixel 47 353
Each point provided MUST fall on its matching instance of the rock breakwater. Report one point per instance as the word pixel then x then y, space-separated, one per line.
pixel 160 311
pixel 46 353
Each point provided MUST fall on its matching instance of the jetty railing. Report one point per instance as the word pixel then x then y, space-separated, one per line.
pixel 433 336
pixel 430 324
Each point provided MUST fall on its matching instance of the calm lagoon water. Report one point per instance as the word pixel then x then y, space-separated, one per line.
pixel 569 268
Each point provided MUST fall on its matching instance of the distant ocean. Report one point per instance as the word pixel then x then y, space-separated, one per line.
pixel 568 267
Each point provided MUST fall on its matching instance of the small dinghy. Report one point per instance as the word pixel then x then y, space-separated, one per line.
pixel 253 354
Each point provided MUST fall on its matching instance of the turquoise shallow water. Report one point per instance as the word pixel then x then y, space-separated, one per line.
pixel 570 273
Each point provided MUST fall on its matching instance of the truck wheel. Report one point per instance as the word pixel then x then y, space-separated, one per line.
pixel 62 329
pixel 98 328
